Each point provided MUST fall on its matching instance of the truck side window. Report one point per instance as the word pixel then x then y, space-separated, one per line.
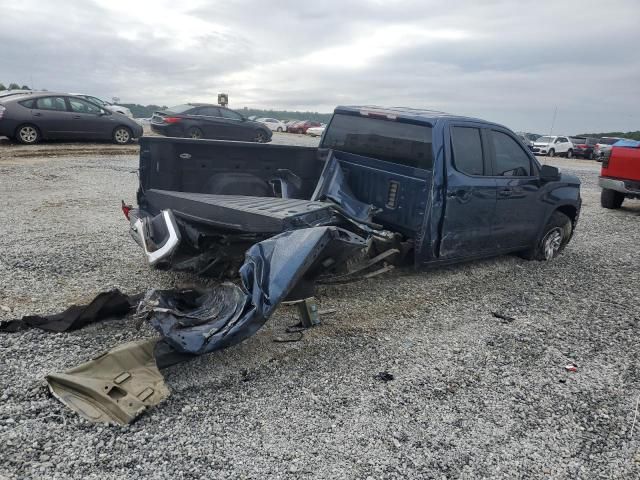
pixel 511 160
pixel 467 150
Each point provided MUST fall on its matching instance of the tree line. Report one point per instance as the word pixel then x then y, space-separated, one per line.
pixel 13 86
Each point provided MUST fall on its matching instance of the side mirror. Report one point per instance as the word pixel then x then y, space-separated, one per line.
pixel 103 113
pixel 549 173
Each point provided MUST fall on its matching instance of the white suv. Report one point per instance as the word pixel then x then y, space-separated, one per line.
pixel 553 146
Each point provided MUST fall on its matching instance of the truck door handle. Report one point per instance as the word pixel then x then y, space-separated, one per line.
pixel 458 193
pixel 37 114
pixel 505 192
pixel 77 117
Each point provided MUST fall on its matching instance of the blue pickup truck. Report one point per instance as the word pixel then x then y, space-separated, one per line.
pixel 440 189
pixel 385 186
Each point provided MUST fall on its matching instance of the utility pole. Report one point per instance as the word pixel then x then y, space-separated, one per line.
pixel 553 122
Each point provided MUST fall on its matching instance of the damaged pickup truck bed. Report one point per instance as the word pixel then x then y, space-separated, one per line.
pixel 386 186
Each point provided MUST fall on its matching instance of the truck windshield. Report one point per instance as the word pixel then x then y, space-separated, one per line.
pixel 389 140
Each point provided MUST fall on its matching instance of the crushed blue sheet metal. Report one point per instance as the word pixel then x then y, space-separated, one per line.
pixel 333 186
pixel 226 315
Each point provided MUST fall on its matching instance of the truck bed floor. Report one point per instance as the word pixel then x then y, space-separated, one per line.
pixel 242 213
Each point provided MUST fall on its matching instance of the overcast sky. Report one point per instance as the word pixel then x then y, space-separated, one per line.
pixel 512 62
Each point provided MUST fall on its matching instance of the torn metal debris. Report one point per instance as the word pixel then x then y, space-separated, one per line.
pixel 115 387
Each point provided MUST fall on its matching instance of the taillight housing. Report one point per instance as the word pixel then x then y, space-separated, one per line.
pixel 605 158
pixel 171 119
pixel 126 209
pixel 2 110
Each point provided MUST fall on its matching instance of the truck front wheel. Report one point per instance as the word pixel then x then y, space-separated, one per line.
pixel 556 235
pixel 611 198
pixel 552 153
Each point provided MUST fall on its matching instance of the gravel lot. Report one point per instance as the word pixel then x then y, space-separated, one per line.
pixel 472 396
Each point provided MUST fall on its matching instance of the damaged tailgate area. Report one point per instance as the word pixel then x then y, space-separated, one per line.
pixel 119 385
pixel 275 249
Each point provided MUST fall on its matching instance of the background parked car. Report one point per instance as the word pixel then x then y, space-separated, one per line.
pixel 288 123
pixel 583 147
pixel 552 146
pixel 32 117
pixel 273 124
pixel 205 120
pixel 104 104
pixel 528 138
pixel 316 131
pixel 603 146
pixel 301 127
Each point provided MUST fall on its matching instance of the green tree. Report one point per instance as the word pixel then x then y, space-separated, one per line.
pixel 25 87
pixel 2 87
pixel 14 86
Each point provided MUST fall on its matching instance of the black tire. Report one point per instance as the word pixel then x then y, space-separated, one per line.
pixel 28 134
pixel 279 129
pixel 556 235
pixel 195 133
pixel 590 156
pixel 611 199
pixel 122 135
pixel 260 137
pixel 552 153
pixel 570 153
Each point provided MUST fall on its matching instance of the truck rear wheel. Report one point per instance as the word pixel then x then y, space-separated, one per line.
pixel 611 198
pixel 556 235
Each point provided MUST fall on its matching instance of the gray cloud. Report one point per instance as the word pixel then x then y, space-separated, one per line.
pixel 511 62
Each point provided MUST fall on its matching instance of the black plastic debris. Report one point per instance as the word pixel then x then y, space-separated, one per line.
pixel 503 317
pixel 111 304
pixel 384 376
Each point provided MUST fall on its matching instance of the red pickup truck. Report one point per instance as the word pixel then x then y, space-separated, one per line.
pixel 620 175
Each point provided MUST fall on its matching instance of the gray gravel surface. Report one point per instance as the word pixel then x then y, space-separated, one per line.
pixel 463 394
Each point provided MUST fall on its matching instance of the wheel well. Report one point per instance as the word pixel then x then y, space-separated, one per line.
pixel 570 211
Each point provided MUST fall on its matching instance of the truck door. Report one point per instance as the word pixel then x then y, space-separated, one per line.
pixel 518 215
pixel 470 201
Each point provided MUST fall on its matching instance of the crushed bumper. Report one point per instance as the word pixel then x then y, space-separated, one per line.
pixel 158 236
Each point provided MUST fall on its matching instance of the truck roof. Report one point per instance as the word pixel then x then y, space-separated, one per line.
pixel 414 114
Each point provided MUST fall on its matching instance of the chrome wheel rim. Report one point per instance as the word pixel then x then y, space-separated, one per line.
pixel 551 243
pixel 260 138
pixel 28 134
pixel 122 135
pixel 196 135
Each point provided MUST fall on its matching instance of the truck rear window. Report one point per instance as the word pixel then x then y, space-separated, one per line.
pixel 389 140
